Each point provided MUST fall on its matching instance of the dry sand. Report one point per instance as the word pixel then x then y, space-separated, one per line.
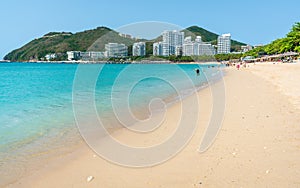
pixel 284 76
pixel 258 145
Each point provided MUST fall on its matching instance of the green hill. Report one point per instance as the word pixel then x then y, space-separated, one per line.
pixel 60 43
pixel 92 40
pixel 208 36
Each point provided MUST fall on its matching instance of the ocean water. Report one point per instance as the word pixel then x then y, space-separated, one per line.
pixel 37 111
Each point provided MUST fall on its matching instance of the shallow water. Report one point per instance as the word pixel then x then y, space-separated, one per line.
pixel 36 102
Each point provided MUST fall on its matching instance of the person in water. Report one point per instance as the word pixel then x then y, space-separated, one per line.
pixel 197 72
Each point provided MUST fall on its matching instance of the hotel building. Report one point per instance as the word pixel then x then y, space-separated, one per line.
pixel 139 49
pixel 116 50
pixel 205 48
pixel 73 55
pixel 188 47
pixel 85 56
pixel 197 47
pixel 92 56
pixel 224 44
pixel 157 49
pixel 171 41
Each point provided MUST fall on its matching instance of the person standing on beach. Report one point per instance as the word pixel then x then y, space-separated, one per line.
pixel 238 66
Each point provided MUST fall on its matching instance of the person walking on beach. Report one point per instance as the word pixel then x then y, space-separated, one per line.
pixel 238 66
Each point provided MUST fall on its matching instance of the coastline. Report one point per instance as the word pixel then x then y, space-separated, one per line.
pixel 112 62
pixel 35 160
pixel 257 146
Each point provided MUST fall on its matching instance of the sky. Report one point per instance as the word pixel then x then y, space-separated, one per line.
pixel 252 21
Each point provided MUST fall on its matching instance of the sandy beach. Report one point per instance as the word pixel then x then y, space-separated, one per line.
pixel 257 146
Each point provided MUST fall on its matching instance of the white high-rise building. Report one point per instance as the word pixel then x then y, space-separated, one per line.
pixel 197 47
pixel 178 50
pixel 171 40
pixel 188 47
pixel 206 49
pixel 139 49
pixel 116 50
pixel 224 44
pixel 157 49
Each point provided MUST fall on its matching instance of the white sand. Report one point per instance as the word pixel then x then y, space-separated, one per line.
pixel 285 76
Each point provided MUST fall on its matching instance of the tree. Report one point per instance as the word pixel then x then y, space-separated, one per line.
pixel 290 43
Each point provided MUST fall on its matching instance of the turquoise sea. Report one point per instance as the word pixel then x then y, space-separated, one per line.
pixel 36 103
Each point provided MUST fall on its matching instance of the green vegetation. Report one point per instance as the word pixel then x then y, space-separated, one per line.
pixel 227 57
pixel 174 58
pixel 55 42
pixel 95 40
pixel 291 43
pixel 208 36
pixel 203 58
pixel 256 52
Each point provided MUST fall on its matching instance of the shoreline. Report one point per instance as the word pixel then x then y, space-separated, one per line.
pixel 242 155
pixel 81 146
pixel 37 162
pixel 108 62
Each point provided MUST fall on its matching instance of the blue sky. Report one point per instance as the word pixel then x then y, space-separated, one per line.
pixel 252 22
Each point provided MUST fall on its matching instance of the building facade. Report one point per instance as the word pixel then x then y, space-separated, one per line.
pixel 197 47
pixel 188 47
pixel 92 56
pixel 224 44
pixel 85 56
pixel 73 55
pixel 171 41
pixel 116 50
pixel 206 49
pixel 178 50
pixel 139 49
pixel 157 49
pixel 125 35
pixel 246 48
